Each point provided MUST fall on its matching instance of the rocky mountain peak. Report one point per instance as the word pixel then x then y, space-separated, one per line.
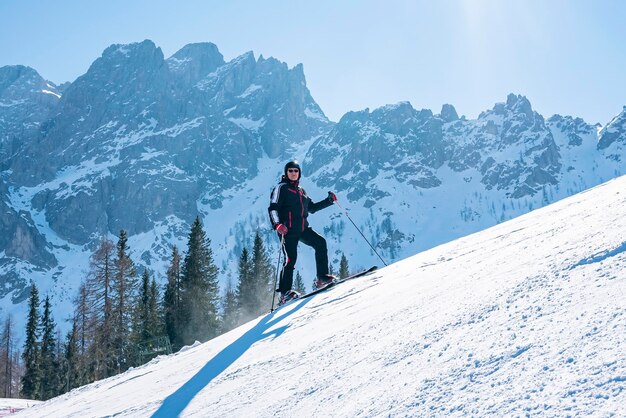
pixel 142 52
pixel 195 61
pixel 207 51
pixel 614 131
pixel 18 80
pixel 403 107
pixel 130 68
pixel 20 74
pixel 448 113
pixel 247 58
pixel 298 73
pixel 26 101
pixel 519 104
pixel 569 122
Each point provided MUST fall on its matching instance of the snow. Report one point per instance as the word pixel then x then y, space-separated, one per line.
pixel 610 127
pixel 234 210
pixel 52 93
pixel 124 50
pixel 251 89
pixel 159 252
pixel 122 138
pixel 230 109
pixel 393 106
pixel 69 181
pixel 72 259
pixel 177 64
pixel 9 406
pixel 525 318
pixel 250 124
pixel 314 114
pixel 368 130
pixel 12 103
pixel 178 129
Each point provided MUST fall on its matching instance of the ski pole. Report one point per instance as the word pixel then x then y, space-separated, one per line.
pixel 357 228
pixel 280 253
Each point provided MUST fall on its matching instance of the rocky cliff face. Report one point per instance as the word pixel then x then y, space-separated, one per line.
pixel 612 136
pixel 26 101
pixel 424 178
pixel 510 146
pixel 521 155
pixel 139 138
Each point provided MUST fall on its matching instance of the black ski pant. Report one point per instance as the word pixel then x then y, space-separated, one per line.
pixel 290 252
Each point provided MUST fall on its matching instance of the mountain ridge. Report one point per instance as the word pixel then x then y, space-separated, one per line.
pixel 146 143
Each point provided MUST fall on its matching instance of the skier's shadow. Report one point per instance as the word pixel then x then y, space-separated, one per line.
pixel 174 404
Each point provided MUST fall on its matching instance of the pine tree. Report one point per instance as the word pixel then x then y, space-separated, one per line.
pixel 140 327
pixel 155 316
pixel 60 357
pixel 298 284
pixel 32 374
pixel 72 363
pixel 263 272
pixel 344 270
pixel 171 301
pixel 199 288
pixel 124 294
pixel 147 324
pixel 84 327
pixel 230 307
pixel 49 364
pixel 245 288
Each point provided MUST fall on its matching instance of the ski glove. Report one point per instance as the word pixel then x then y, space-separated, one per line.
pixel 332 197
pixel 281 229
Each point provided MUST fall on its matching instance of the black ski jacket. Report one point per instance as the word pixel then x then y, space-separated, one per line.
pixel 290 206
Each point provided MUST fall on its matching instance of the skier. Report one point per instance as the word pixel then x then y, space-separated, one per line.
pixel 289 209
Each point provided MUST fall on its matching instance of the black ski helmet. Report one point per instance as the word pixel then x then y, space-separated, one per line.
pixel 293 164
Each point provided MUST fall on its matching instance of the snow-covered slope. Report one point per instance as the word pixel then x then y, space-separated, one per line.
pixel 10 406
pixel 527 317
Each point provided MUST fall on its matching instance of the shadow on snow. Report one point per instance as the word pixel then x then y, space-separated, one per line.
pixel 174 404
pixel 596 258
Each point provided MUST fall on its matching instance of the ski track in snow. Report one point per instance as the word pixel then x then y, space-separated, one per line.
pixel 525 318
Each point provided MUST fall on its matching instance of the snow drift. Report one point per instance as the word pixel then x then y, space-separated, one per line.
pixel 527 317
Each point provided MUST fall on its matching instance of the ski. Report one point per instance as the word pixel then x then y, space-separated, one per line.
pixel 355 275
pixel 331 285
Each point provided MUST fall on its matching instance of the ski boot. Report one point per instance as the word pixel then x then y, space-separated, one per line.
pixel 288 296
pixel 323 281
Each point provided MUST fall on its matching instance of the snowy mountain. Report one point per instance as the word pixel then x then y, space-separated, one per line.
pixel 145 143
pixel 26 101
pixel 142 143
pixel 525 318
pixel 424 179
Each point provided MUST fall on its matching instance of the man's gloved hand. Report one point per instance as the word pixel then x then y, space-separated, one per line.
pixel 332 197
pixel 281 229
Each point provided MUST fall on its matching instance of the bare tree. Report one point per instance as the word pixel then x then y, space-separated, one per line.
pixel 7 350
pixel 100 301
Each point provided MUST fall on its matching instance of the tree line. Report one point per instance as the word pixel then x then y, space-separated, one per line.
pixel 122 319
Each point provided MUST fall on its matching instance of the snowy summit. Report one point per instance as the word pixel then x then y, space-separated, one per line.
pixel 527 317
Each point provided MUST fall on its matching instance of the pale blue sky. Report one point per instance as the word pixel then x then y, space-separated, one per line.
pixel 566 56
